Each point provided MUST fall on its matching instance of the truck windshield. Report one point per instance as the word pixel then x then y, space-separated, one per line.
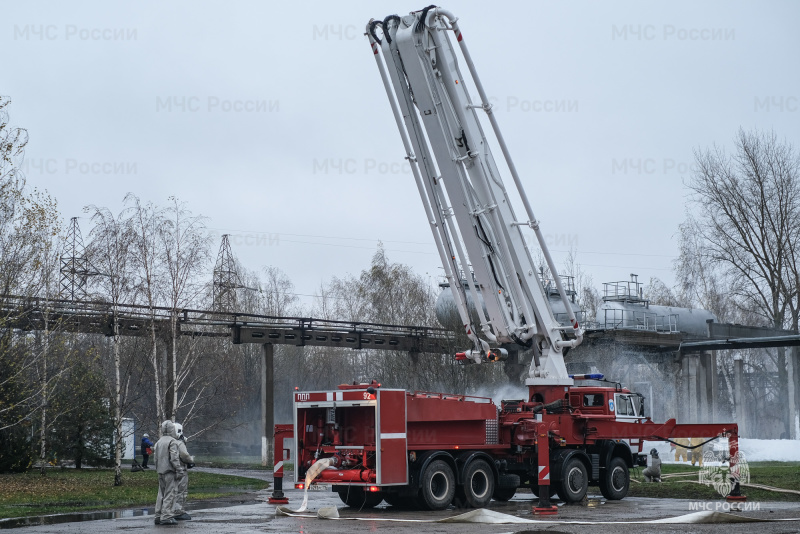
pixel 625 406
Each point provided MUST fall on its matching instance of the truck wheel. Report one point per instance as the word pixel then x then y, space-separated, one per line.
pixel 438 485
pixel 615 481
pixel 506 487
pixel 356 497
pixel 574 481
pixel 478 484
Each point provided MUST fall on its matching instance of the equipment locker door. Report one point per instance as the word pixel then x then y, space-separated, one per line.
pixel 392 457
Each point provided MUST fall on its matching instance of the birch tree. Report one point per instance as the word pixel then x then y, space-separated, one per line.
pixel 185 256
pixel 109 250
pixel 147 221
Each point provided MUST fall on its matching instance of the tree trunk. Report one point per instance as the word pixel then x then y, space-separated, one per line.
pixel 174 412
pixel 170 393
pixel 156 376
pixel 117 410
pixel 45 400
pixel 783 393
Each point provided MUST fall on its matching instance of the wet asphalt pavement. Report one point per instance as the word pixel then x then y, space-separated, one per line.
pixel 255 515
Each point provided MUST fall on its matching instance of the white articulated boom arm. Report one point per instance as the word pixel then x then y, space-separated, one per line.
pixel 468 207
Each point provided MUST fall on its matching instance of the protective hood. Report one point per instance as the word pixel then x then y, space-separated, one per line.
pixel 168 429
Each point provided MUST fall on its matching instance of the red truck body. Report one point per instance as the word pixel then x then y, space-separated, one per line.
pixel 422 449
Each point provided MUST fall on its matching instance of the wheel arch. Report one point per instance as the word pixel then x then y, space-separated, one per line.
pixel 612 449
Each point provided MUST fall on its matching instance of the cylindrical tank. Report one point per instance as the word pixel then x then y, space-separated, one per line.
pixel 638 315
pixel 446 310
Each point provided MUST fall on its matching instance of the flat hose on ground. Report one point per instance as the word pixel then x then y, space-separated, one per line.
pixel 486 516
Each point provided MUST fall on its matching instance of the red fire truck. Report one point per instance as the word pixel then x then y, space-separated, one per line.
pixel 427 450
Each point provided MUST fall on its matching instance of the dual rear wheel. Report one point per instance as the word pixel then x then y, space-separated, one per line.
pixel 439 485
pixel 479 484
pixel 574 480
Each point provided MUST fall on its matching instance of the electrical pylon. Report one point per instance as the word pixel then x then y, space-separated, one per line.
pixel 226 278
pixel 74 265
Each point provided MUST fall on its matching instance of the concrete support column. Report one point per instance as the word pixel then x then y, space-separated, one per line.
pixel 791 397
pixel 796 381
pixel 689 391
pixel 267 405
pixel 738 394
pixel 712 385
pixel 702 393
pixel 692 399
pixel 681 387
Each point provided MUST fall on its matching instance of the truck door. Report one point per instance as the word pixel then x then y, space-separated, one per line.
pixel 391 440
pixel 627 411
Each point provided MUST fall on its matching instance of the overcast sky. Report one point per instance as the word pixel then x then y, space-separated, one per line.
pixel 271 119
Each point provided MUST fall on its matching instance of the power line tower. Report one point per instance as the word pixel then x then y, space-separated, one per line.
pixel 74 265
pixel 226 278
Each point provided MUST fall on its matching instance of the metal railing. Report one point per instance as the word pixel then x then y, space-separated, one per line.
pixel 638 320
pixel 98 317
pixel 567 282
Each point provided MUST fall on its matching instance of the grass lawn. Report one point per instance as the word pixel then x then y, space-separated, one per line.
pixel 777 474
pixel 72 490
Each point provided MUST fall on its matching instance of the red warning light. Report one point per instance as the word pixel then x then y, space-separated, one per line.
pixel 300 485
pixel 373 489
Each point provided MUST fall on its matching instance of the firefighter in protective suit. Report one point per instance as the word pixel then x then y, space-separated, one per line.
pixel 167 460
pixel 680 449
pixel 183 482
pixel 653 471
pixel 697 453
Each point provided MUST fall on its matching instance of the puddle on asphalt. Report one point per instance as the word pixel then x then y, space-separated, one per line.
pixel 108 514
pixel 587 503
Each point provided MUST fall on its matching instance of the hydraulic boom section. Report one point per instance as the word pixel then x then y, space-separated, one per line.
pixel 477 233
